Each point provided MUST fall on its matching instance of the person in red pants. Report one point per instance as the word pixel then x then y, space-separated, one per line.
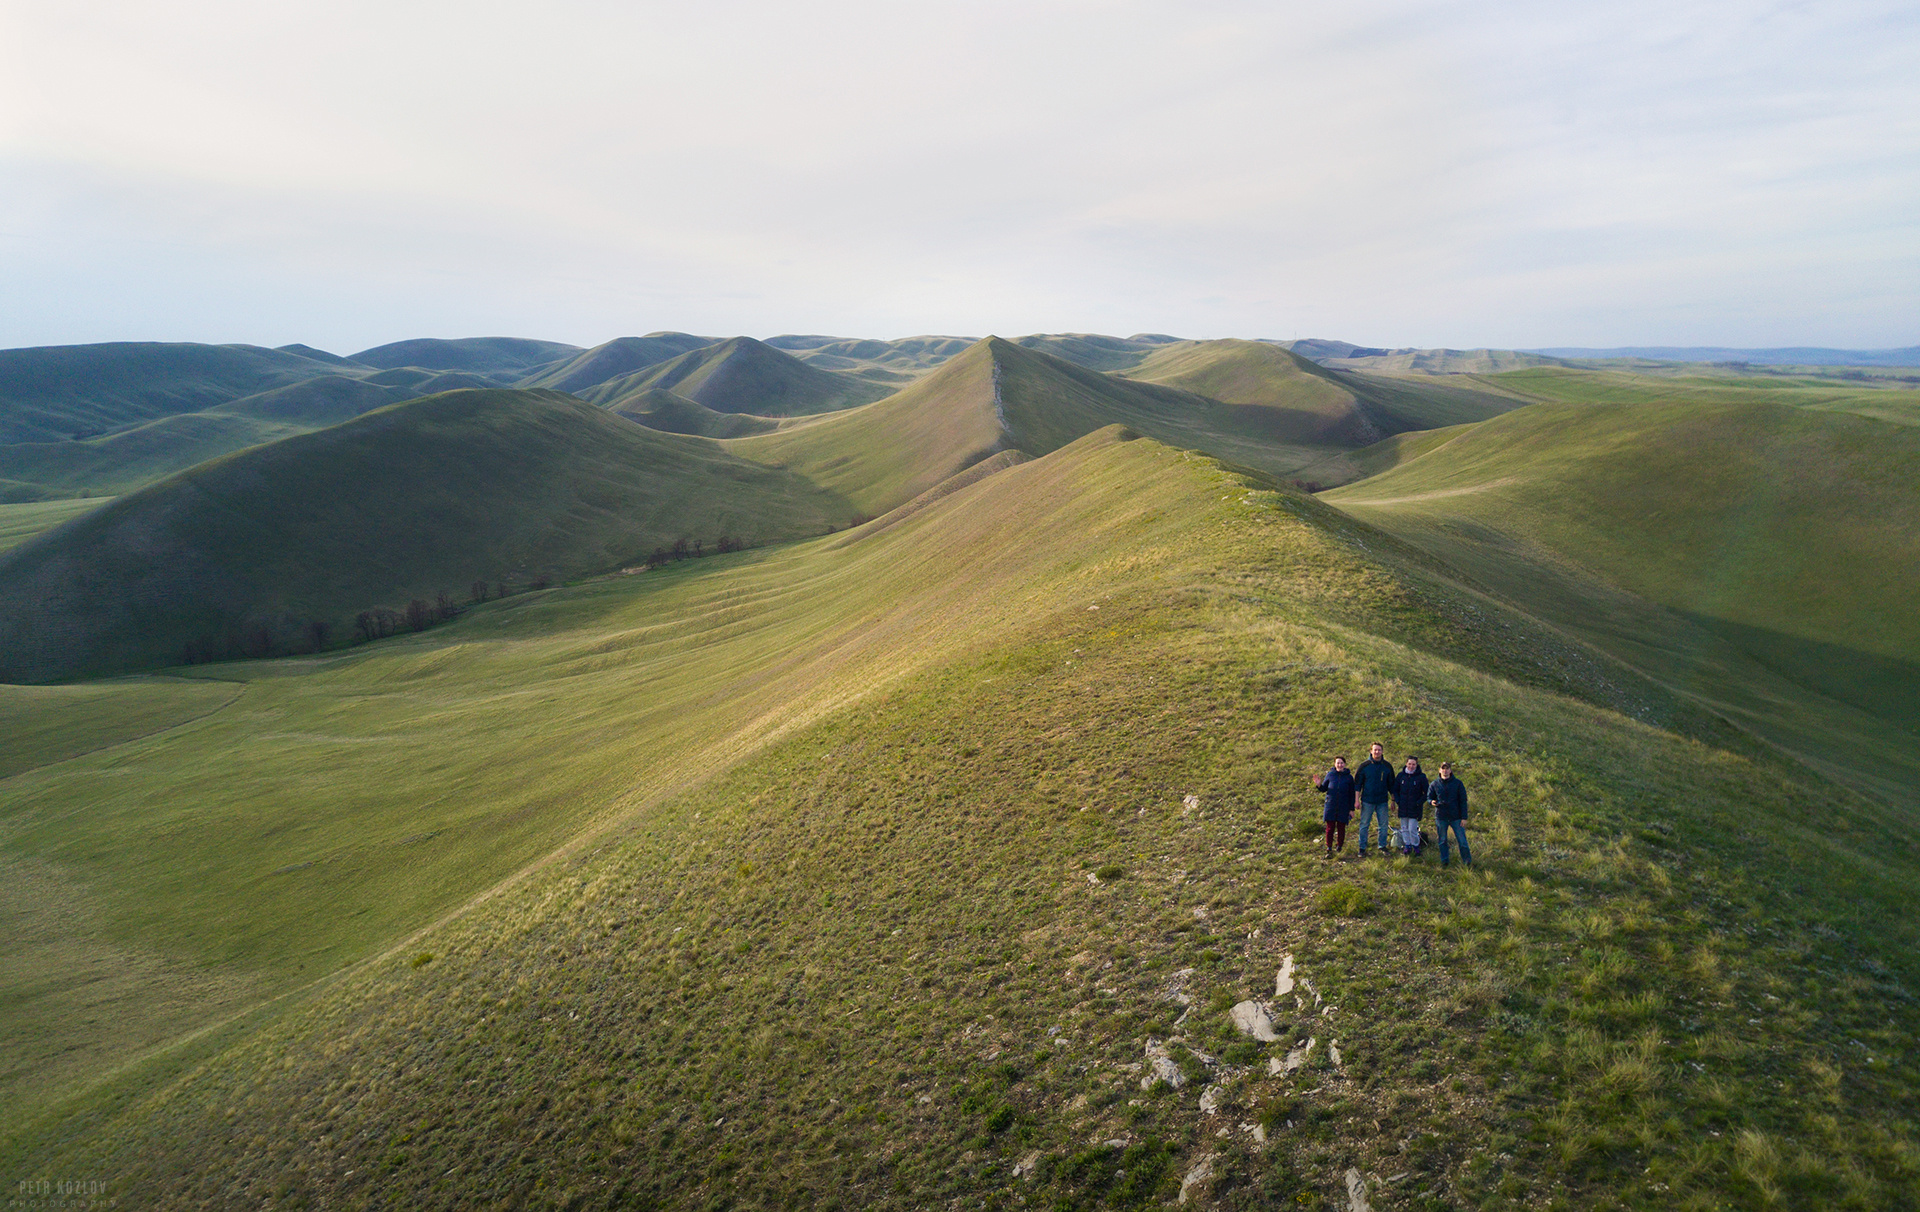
pixel 1343 796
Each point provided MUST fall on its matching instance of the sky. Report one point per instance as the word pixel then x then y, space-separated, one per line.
pixel 1400 174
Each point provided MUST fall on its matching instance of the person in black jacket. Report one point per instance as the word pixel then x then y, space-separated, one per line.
pixel 1448 795
pixel 1374 777
pixel 1342 794
pixel 1410 797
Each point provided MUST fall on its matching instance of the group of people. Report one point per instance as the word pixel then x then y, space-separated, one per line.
pixel 1374 784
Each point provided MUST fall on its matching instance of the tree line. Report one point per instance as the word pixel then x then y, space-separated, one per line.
pixel 257 639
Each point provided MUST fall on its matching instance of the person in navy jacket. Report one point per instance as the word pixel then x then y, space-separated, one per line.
pixel 1410 796
pixel 1374 777
pixel 1343 796
pixel 1448 795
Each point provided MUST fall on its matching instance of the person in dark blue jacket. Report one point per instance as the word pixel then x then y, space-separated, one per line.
pixel 1343 795
pixel 1410 797
pixel 1374 777
pixel 1448 795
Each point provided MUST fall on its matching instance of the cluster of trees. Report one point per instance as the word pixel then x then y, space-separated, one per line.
pixel 258 639
pixel 692 549
pixel 254 640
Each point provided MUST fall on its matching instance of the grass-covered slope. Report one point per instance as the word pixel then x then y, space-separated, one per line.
pixel 56 392
pixel 500 357
pixel 743 375
pixel 658 408
pixel 1263 390
pixel 1767 552
pixel 429 495
pixel 1707 385
pixel 1095 351
pixel 131 458
pixel 931 934
pixel 612 359
pixel 21 520
pixel 1000 395
pixel 1438 361
pixel 890 362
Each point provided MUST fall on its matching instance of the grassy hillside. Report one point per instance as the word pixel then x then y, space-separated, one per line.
pixel 1264 391
pixel 499 357
pixel 658 408
pixel 56 392
pixel 617 357
pixel 420 497
pixel 317 403
pixel 1003 396
pixel 889 362
pixel 743 375
pixel 1708 386
pixel 1766 553
pixel 890 451
pixel 929 852
pixel 131 458
pixel 20 521
pixel 1097 352
pixel 1438 361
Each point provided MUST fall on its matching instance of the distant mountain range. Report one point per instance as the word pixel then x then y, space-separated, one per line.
pixel 1795 355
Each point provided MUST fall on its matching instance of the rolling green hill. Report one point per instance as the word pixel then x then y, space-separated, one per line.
pixel 1097 352
pixel 1755 554
pixel 56 392
pixel 743 375
pixel 1439 361
pixel 21 520
pixel 1002 396
pixel 621 356
pixel 315 403
pixel 1723 385
pixel 130 458
pixel 429 495
pixel 497 357
pixel 1264 391
pixel 931 868
pixel 890 362
pixel 658 408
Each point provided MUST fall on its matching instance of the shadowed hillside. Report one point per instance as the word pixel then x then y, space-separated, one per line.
pixel 430 495
pixel 495 357
pixel 1002 396
pixel 621 356
pixel 744 375
pixel 55 392
pixel 1758 555
pixel 658 408
pixel 1097 352
pixel 890 362
pixel 1264 391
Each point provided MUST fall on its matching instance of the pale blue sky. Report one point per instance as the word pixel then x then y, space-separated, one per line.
pixel 1508 174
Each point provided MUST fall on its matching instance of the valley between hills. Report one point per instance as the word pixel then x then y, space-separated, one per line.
pixel 822 772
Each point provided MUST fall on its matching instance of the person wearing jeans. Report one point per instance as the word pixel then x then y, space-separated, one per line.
pixel 1448 795
pixel 1375 780
pixel 1410 794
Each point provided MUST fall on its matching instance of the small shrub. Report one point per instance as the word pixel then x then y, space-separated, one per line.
pixel 1109 872
pixel 1245 1052
pixel 1343 900
pixel 423 959
pixel 1310 830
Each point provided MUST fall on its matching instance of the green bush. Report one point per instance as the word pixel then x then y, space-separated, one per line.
pixel 1310 829
pixel 1343 900
pixel 1110 872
